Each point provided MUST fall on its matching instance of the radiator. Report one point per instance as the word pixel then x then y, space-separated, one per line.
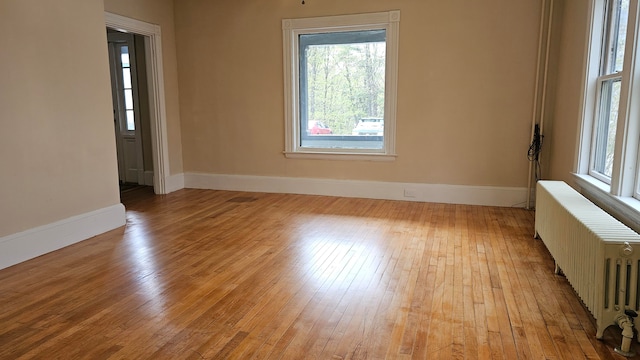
pixel 599 256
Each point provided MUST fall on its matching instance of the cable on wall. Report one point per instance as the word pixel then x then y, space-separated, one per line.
pixel 534 152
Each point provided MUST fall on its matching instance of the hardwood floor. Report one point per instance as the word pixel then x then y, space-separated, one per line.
pixel 200 274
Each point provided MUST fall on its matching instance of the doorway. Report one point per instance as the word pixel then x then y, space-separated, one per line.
pixel 128 115
pixel 155 156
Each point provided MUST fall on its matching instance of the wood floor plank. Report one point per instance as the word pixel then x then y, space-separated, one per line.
pixel 201 274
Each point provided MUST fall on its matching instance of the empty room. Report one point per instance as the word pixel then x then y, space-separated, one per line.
pixel 319 179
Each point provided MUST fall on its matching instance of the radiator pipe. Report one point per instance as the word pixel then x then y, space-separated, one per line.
pixel 626 324
pixel 535 96
pixel 538 117
pixel 545 76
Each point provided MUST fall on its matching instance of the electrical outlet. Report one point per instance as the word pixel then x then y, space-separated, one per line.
pixel 410 193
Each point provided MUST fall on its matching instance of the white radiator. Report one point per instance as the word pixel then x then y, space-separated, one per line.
pixel 599 256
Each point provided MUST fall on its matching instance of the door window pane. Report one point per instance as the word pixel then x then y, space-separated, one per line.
pixel 131 125
pixel 124 56
pixel 128 99
pixel 126 78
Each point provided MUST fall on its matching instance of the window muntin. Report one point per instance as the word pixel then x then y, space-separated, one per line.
pixel 339 72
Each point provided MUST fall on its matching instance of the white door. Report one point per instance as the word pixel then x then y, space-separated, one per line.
pixel 126 113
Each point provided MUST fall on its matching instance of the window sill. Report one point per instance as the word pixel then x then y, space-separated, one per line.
pixel 339 156
pixel 624 208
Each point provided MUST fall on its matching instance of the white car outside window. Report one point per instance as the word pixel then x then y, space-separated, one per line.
pixel 369 126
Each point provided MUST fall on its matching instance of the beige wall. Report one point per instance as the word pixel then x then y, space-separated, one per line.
pixel 465 89
pixel 57 145
pixel 160 12
pixel 562 136
pixel 466 80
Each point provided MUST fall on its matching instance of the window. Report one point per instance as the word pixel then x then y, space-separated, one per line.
pixel 340 86
pixel 609 146
pixel 608 89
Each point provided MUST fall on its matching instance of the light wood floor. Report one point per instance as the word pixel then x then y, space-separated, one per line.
pixel 214 275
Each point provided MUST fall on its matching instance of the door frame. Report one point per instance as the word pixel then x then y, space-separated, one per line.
pixel 158 115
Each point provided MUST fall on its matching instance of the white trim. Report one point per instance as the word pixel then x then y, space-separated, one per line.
pixel 153 49
pixel 591 70
pixel 339 156
pixel 628 131
pixel 391 82
pixel 174 182
pixel 441 193
pixel 38 241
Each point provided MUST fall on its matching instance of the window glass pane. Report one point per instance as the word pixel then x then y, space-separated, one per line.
pixel 128 99
pixel 131 124
pixel 606 126
pixel 622 34
pixel 124 54
pixel 126 77
pixel 342 87
pixel 617 35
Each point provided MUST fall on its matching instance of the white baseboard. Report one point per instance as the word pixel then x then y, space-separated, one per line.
pixel 174 183
pixel 440 193
pixel 38 241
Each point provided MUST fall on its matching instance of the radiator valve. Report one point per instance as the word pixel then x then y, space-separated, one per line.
pixel 625 322
pixel 626 250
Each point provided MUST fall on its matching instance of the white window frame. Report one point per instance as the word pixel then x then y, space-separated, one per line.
pixel 291 29
pixel 621 193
